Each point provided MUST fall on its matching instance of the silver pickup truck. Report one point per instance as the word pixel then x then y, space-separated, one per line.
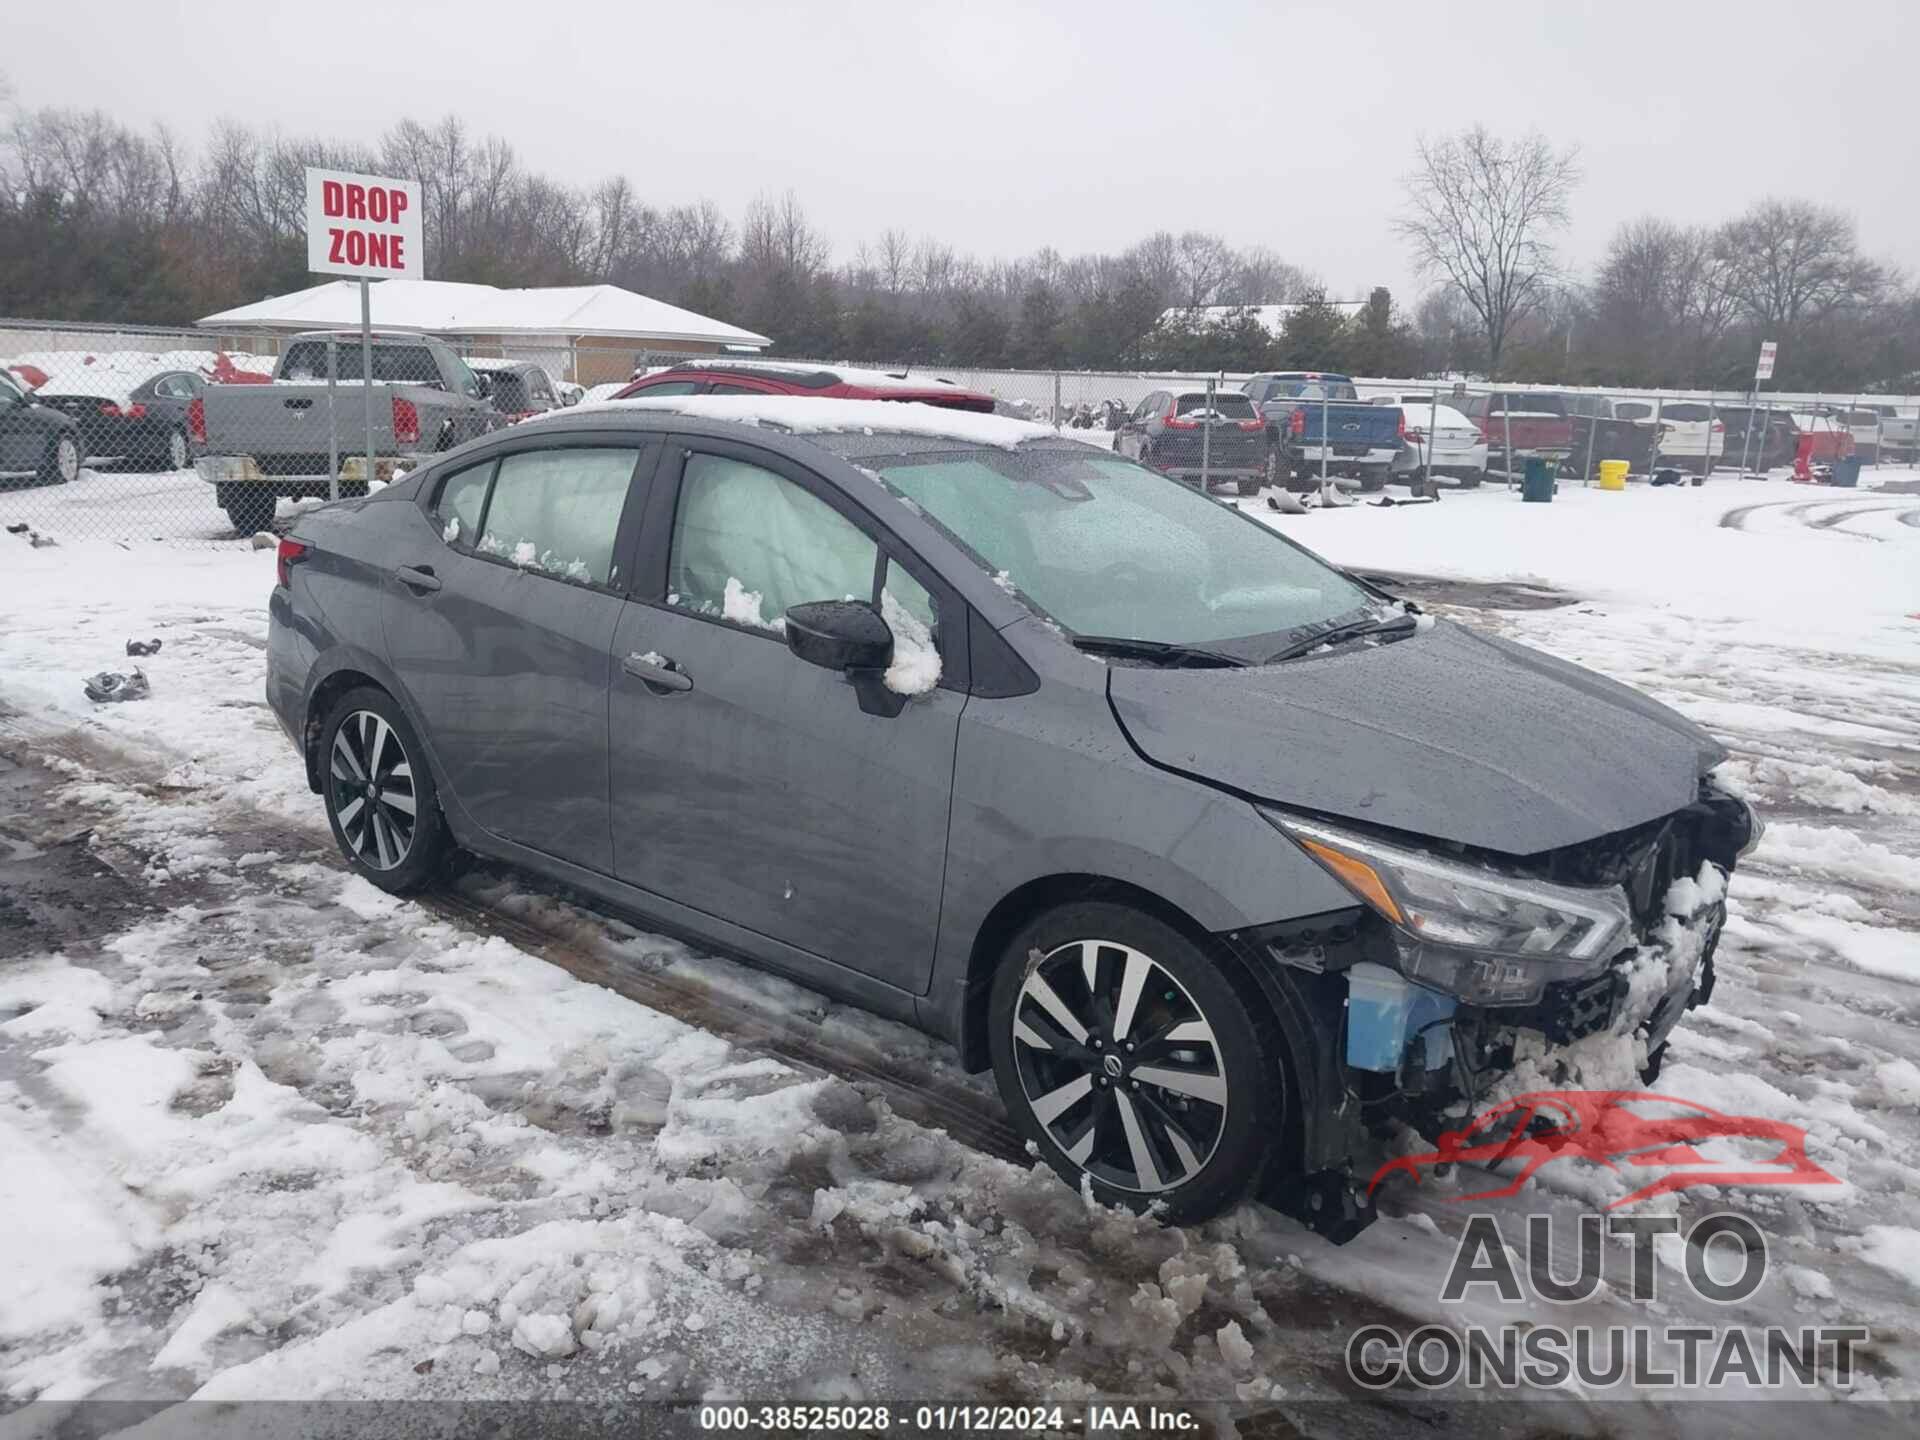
pixel 298 435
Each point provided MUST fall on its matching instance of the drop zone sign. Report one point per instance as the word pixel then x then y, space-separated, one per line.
pixel 363 225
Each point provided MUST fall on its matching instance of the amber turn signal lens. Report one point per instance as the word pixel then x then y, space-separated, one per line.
pixel 1359 876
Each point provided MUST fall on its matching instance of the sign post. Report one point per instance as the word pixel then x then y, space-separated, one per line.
pixel 366 226
pixel 1762 370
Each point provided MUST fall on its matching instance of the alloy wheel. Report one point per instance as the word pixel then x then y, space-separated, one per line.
pixel 176 451
pixel 1120 1065
pixel 67 460
pixel 371 790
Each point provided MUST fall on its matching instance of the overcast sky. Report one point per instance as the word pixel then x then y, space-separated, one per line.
pixel 1003 127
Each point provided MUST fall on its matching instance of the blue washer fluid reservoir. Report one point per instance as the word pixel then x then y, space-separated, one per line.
pixel 1385 1010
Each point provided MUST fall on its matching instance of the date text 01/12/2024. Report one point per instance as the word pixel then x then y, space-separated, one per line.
pixel 938 1419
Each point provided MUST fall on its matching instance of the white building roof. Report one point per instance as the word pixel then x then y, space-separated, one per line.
pixel 447 307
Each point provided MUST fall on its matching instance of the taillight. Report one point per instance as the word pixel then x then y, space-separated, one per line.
pixel 1173 421
pixel 1297 423
pixel 1253 424
pixel 1402 415
pixel 197 419
pixel 406 421
pixel 290 553
pixel 135 412
pixel 1719 427
pixel 108 408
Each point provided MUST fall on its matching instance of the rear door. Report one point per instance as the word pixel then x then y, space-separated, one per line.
pixel 751 785
pixel 23 435
pixel 499 620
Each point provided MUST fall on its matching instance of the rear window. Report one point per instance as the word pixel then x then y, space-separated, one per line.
pixel 1632 410
pixel 1234 407
pixel 1686 410
pixel 409 364
pixel 1314 390
pixel 1528 405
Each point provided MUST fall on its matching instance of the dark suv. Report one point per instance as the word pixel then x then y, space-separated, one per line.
pixel 741 377
pixel 1180 433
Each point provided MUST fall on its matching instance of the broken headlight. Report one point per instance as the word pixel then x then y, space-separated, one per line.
pixel 1482 936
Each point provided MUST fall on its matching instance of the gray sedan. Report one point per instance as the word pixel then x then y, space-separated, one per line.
pixel 1216 854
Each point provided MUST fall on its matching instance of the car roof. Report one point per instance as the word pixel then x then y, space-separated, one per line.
pixel 807 377
pixel 803 416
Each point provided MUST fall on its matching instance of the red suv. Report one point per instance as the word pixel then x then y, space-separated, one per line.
pixel 734 377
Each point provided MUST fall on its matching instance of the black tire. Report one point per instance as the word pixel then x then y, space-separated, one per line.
pixel 249 507
pixel 63 458
pixel 1372 480
pixel 362 781
pixel 1470 479
pixel 1240 1060
pixel 175 452
pixel 1249 486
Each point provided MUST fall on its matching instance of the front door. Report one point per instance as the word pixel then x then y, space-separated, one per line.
pixel 501 629
pixel 23 435
pixel 749 784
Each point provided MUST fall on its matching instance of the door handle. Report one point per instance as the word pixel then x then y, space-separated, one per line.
pixel 660 674
pixel 417 577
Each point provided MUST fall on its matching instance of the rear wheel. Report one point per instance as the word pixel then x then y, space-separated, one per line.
pixel 1249 484
pixel 61 464
pixel 249 507
pixel 380 798
pixel 175 453
pixel 1470 479
pixel 1133 1062
pixel 1372 480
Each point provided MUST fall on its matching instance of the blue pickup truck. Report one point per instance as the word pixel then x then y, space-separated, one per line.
pixel 1297 404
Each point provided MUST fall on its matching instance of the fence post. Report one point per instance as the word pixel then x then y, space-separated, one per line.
pixel 1056 400
pixel 1706 463
pixel 333 420
pixel 1593 430
pixel 1746 435
pixel 1206 444
pixel 1326 437
pixel 1653 454
pixel 1506 422
pixel 1426 461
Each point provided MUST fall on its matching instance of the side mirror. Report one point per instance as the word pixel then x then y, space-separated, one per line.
pixel 848 636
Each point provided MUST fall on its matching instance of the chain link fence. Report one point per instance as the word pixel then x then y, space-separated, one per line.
pixel 194 437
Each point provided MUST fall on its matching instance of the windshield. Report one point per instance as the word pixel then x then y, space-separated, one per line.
pixel 1107 547
pixel 1314 390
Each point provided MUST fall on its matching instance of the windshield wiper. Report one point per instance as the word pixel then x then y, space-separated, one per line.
pixel 1398 627
pixel 1161 650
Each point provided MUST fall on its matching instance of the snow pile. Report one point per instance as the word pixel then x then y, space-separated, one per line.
pixel 916 659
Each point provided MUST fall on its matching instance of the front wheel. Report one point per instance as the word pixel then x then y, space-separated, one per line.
pixel 1134 1063
pixel 61 464
pixel 381 803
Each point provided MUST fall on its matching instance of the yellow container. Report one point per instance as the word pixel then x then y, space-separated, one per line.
pixel 1613 474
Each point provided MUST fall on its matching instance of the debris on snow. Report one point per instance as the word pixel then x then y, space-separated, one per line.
pixel 142 648
pixel 110 687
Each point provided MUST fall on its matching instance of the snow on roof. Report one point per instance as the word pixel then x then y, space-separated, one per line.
pixel 447 307
pixel 802 415
pixel 115 374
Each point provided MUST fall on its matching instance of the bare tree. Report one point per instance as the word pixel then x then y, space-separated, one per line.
pixel 1792 261
pixel 1484 210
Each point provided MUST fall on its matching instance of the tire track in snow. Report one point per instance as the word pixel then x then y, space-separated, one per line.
pixel 967 1116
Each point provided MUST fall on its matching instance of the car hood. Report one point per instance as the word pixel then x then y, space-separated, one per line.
pixel 1448 733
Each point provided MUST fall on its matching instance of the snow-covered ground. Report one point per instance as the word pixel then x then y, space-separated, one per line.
pixel 270 1133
